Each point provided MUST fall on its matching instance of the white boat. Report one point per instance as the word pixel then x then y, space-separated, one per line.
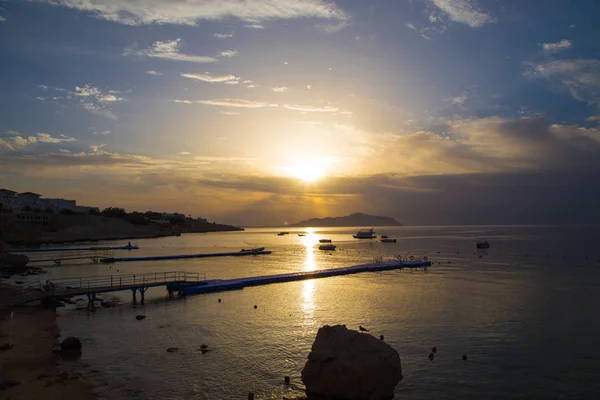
pixel 387 240
pixel 365 234
pixel 255 250
pixel 482 245
pixel 324 240
pixel 327 247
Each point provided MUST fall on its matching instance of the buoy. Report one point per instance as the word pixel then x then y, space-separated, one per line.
pixel 431 356
pixel 464 357
pixel 433 349
pixel 219 300
pixel 255 306
pixel 381 337
pixel 286 379
pixel 250 396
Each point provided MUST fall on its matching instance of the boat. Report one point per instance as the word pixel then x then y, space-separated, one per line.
pixel 301 234
pixel 324 240
pixel 255 250
pixel 482 245
pixel 327 247
pixel 283 233
pixel 384 236
pixel 365 234
pixel 387 240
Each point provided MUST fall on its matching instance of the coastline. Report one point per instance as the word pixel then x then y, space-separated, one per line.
pixel 31 361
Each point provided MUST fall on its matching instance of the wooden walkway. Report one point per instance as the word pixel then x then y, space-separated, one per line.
pixel 90 286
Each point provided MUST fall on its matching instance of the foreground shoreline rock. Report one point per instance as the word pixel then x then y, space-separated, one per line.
pixel 348 365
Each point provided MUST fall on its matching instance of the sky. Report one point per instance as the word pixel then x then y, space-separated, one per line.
pixel 267 112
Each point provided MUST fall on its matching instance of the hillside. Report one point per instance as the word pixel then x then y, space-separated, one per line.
pixel 357 219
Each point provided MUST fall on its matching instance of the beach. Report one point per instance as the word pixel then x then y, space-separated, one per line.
pixel 31 360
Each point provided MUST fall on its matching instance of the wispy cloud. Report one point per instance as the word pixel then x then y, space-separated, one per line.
pixel 89 90
pixel 97 148
pixel 464 12
pixel 255 26
pixel 280 89
pixel 152 72
pixel 206 77
pixel 47 138
pixel 103 133
pixel 224 159
pixel 188 12
pixel 557 46
pixel 229 113
pixel 234 103
pixel 168 50
pixel 99 110
pixel 581 77
pixel 228 53
pixel 184 153
pixel 223 35
pixel 297 107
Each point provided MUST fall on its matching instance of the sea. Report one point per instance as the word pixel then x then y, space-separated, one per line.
pixel 525 312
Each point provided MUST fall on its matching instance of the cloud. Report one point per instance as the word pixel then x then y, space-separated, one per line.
pixel 182 101
pixel 188 12
pixel 296 107
pixel 223 35
pixel 184 153
pixel 556 47
pixel 169 50
pixel 462 11
pixel 152 72
pixel 333 28
pixel 229 113
pixel 47 138
pixel 309 87
pixel 251 86
pixel 581 77
pixel 213 78
pixel 102 132
pixel 228 53
pixel 225 159
pixel 234 103
pixel 43 87
pixel 99 110
pixel 97 148
pixel 17 142
pixel 255 26
pixel 280 89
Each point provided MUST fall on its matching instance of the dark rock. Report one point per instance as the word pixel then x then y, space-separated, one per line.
pixel 6 346
pixel 345 364
pixel 140 317
pixel 19 282
pixel 70 346
pixel 108 304
pixel 8 384
pixel 172 349
pixel 59 304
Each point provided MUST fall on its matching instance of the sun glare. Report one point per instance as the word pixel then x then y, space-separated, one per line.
pixel 310 170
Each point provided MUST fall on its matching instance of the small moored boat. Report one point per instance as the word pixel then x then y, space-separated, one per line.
pixel 365 234
pixel 387 240
pixel 324 240
pixel 327 247
pixel 301 234
pixel 384 236
pixel 482 245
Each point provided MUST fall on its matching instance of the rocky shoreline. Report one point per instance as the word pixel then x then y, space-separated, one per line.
pixel 29 369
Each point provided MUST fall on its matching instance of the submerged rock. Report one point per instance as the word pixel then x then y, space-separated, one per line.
pixel 172 349
pixel 140 317
pixel 347 365
pixel 70 346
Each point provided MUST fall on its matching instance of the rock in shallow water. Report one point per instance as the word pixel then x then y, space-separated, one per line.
pixel 70 346
pixel 348 365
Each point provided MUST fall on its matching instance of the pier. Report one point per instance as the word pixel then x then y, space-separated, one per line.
pixel 95 256
pixel 56 289
pixel 220 285
pixel 55 249
pixel 180 282
pixel 184 256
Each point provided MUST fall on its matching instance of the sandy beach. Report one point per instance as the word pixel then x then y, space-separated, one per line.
pixel 31 360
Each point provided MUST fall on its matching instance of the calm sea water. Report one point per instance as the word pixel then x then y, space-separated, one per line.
pixel 525 313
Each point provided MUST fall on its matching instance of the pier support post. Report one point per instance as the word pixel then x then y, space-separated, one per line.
pixel 142 292
pixel 170 291
pixel 134 296
pixel 91 301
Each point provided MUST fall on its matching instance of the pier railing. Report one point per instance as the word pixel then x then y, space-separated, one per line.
pixel 122 280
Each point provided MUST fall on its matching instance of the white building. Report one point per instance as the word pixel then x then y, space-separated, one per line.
pixel 60 204
pixel 28 201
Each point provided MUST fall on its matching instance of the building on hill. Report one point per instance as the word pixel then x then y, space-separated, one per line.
pixel 29 201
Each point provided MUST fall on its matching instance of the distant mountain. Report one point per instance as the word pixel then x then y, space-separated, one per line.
pixel 357 219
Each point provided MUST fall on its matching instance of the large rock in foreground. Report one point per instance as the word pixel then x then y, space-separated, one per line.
pixel 348 365
pixel 71 346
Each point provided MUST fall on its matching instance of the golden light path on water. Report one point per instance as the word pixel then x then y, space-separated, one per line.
pixel 308 288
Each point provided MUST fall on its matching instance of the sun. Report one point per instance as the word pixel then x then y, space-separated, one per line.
pixel 307 172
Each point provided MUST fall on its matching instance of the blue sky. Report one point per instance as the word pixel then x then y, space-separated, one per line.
pixel 269 111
